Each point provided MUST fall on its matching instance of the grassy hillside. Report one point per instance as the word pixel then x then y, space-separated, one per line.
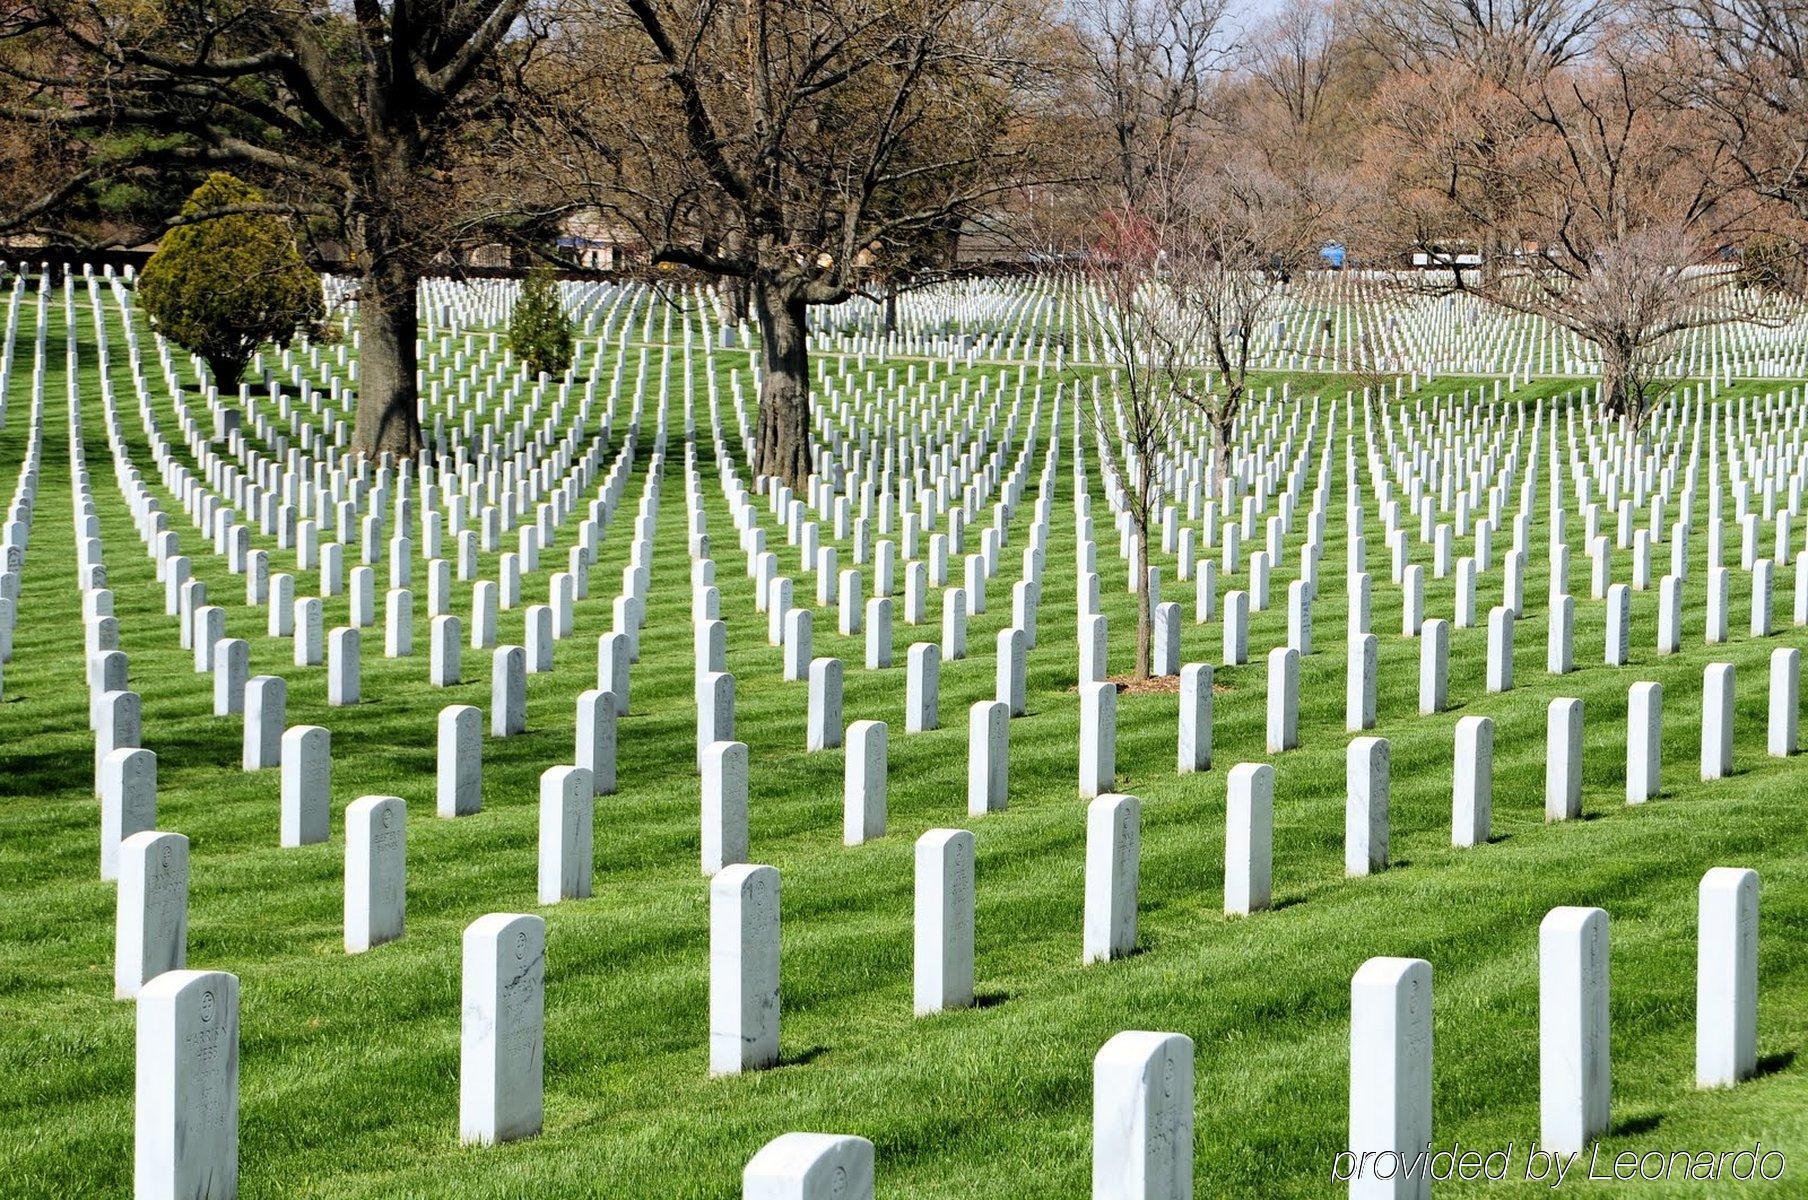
pixel 349 1082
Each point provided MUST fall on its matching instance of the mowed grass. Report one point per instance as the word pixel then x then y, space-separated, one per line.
pixel 349 1084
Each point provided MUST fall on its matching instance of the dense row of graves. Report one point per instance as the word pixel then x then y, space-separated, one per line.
pixel 936 498
pixel 1328 321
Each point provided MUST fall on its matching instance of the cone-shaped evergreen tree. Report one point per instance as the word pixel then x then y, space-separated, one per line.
pixel 539 330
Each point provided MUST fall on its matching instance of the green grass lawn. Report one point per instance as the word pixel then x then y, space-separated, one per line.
pixel 349 1084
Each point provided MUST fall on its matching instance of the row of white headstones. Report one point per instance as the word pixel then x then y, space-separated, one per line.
pixel 187 1059
pixel 399 639
pixel 154 864
pixel 378 815
pixel 750 894
pixel 1368 329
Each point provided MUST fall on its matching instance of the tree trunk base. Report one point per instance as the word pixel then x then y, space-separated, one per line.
pixel 782 446
pixel 387 420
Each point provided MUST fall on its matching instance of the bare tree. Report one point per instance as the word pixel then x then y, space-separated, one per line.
pixel 1744 63
pixel 1146 69
pixel 1480 55
pixel 1231 251
pixel 1295 58
pixel 1201 231
pixel 366 115
pixel 1607 209
pixel 1501 39
pixel 808 149
pixel 1142 73
pixel 1147 340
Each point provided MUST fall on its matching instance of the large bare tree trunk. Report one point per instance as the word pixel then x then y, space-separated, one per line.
pixel 783 446
pixel 387 421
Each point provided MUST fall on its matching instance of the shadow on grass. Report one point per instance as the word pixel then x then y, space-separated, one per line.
pixel 800 1058
pixel 1771 1064
pixel 1633 1126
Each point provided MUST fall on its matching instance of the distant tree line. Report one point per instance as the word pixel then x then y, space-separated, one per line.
pixel 1583 160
